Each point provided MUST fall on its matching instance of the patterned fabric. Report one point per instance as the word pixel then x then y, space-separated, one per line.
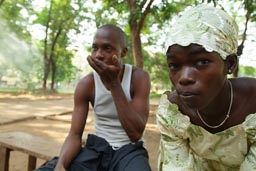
pixel 188 147
pixel 207 26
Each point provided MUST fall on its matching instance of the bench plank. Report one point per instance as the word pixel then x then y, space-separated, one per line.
pixel 4 162
pixel 31 163
pixel 30 144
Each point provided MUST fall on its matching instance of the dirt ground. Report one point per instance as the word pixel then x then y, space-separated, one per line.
pixel 49 117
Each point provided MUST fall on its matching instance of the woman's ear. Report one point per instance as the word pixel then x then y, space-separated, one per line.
pixel 231 63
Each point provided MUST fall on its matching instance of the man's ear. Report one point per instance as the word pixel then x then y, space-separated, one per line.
pixel 124 52
pixel 231 63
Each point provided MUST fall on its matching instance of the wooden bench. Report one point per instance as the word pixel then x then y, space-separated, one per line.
pixel 34 146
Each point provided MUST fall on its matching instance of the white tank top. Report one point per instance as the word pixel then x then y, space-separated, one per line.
pixel 107 124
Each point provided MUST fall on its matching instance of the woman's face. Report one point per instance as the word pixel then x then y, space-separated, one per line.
pixel 197 75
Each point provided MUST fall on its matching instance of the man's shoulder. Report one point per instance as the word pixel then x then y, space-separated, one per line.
pixel 139 71
pixel 140 80
pixel 87 79
pixel 85 88
pixel 140 75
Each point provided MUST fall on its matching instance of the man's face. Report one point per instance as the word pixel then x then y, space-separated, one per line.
pixel 106 44
pixel 196 74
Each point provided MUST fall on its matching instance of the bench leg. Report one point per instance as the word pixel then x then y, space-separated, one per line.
pixel 31 163
pixel 5 156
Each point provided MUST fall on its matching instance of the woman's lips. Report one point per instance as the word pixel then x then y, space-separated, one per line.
pixel 187 95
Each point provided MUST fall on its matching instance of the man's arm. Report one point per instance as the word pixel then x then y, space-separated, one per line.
pixel 72 144
pixel 133 115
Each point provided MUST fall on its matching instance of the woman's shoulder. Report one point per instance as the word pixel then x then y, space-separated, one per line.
pixel 245 92
pixel 245 84
pixel 246 87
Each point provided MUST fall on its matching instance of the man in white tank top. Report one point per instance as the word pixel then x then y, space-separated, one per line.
pixel 119 94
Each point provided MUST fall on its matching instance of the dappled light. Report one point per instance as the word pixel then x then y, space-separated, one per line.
pixel 28 45
pixel 51 119
pixel 43 55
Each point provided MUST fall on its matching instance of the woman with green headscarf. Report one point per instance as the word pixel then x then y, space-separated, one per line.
pixel 208 122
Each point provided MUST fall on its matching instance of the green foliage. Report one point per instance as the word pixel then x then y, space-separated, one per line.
pixel 11 90
pixel 65 16
pixel 16 45
pixel 66 72
pixel 139 16
pixel 250 5
pixel 247 71
pixel 39 70
pixel 10 12
pixel 165 10
pixel 156 65
pixel 59 19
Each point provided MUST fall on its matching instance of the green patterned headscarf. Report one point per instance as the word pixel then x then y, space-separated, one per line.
pixel 207 26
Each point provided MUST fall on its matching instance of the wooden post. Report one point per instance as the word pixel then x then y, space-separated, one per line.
pixel 31 163
pixel 4 156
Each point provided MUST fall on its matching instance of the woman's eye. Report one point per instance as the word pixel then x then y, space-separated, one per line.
pixel 173 66
pixel 202 62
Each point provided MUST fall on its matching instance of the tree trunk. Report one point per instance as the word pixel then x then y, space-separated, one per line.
pixel 136 48
pixel 136 22
pixel 54 68
pixel 46 59
pixel 53 57
pixel 241 46
pixel 46 71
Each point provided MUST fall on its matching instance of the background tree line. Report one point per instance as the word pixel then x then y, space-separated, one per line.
pixel 145 22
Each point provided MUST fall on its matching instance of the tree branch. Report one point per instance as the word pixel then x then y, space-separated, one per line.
pixel 144 15
pixel 142 4
pixel 241 46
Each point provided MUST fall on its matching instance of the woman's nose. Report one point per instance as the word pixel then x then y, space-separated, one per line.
pixel 187 76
